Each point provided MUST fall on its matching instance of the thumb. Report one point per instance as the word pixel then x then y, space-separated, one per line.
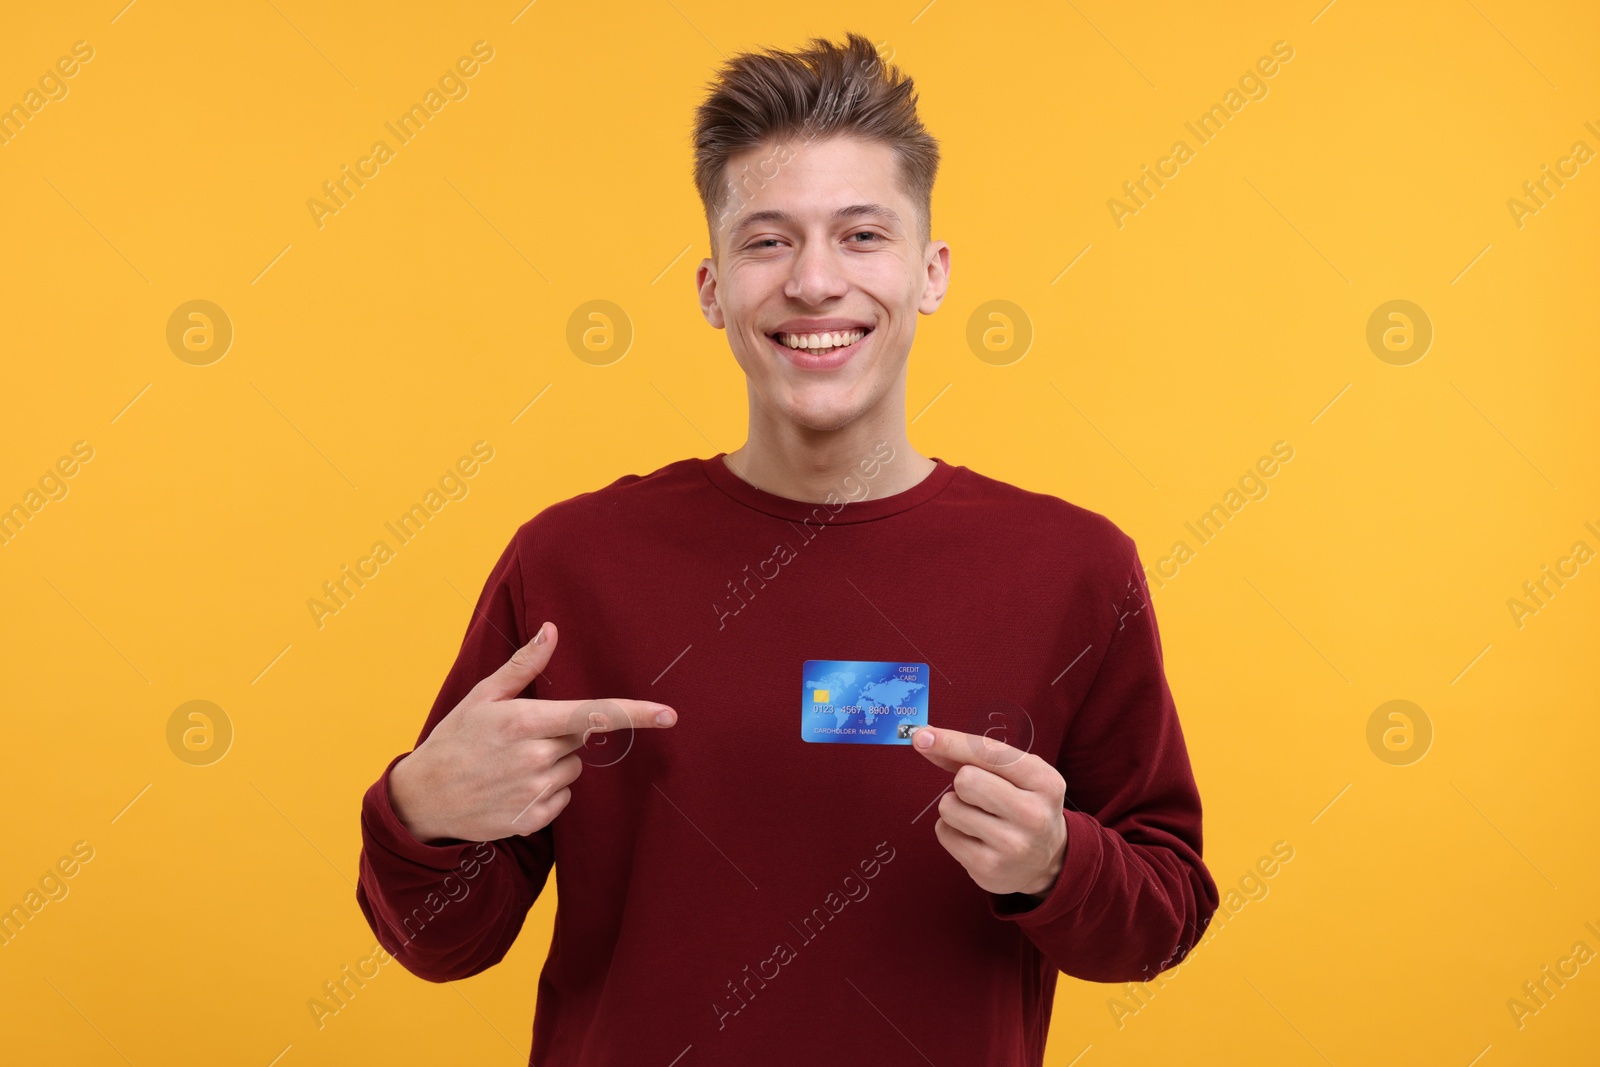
pixel 516 673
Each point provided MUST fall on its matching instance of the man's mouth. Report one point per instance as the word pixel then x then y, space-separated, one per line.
pixel 820 342
pixel 823 350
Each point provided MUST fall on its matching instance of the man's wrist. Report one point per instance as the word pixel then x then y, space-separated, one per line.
pixel 1041 889
pixel 402 802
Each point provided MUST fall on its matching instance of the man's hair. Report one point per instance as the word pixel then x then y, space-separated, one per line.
pixel 824 90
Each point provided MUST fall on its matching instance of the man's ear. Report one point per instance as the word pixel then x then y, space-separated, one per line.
pixel 705 280
pixel 937 260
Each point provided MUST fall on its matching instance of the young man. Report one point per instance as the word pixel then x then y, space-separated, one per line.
pixel 731 889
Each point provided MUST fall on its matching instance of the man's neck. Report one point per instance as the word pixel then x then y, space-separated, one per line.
pixel 801 466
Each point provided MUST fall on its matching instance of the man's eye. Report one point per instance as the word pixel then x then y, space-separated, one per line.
pixel 767 242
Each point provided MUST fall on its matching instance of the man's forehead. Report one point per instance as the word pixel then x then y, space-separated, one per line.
pixel 832 179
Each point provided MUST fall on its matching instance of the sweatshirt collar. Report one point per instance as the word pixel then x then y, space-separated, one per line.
pixel 854 501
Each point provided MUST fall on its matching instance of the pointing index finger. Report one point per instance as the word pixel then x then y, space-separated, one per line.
pixel 556 718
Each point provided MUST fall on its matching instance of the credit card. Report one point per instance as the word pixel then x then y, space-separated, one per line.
pixel 862 702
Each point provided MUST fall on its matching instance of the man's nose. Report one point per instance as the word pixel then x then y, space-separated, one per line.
pixel 816 275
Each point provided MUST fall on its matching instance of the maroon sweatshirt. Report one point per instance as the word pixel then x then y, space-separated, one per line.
pixel 730 894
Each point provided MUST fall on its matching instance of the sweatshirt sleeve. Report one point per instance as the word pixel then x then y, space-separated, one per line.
pixel 1133 895
pixel 449 909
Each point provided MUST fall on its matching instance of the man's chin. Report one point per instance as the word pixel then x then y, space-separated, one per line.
pixel 821 414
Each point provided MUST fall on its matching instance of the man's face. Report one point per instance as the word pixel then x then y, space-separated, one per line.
pixel 820 239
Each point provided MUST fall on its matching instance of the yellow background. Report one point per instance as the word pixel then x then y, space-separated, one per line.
pixel 370 353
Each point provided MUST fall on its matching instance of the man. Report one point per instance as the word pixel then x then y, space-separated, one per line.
pixel 732 890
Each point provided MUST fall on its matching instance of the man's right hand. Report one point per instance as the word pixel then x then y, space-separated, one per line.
pixel 501 765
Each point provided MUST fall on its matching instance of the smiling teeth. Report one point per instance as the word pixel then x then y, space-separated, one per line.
pixel 837 339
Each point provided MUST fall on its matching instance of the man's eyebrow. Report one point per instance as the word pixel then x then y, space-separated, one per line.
pixel 850 211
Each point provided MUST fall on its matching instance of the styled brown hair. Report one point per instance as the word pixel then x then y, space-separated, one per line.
pixel 823 90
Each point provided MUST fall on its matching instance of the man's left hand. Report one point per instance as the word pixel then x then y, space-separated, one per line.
pixel 1003 820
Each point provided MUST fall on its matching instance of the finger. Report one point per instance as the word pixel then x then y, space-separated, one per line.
pixel 967 850
pixel 580 718
pixel 541 811
pixel 932 756
pixel 517 673
pixel 565 771
pixel 971 820
pixel 553 779
pixel 584 722
pixel 987 791
pixel 950 749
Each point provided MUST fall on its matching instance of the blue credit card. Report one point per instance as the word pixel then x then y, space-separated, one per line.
pixel 862 702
